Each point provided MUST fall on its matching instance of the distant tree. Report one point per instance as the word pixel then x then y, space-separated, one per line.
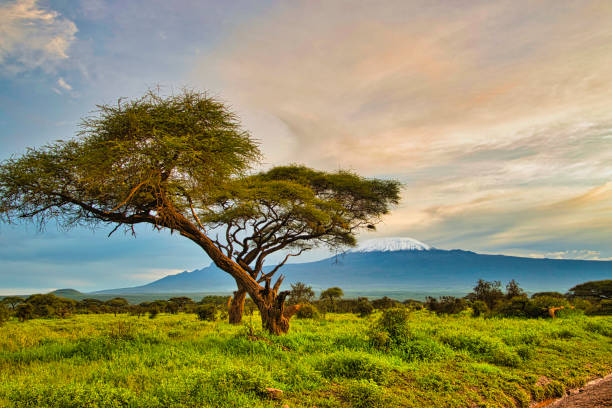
pixel 207 312
pixel 12 301
pixel 479 308
pixel 181 304
pixel 364 307
pixel 117 305
pixel 593 290
pixel 4 314
pixel 549 294
pixel 300 293
pixel 488 292
pixel 179 163
pixel 514 290
pixel 445 304
pixel 49 305
pixel 24 311
pixel 385 303
pixel 153 311
pixel 331 295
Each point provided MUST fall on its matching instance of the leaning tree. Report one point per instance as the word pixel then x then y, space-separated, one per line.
pixel 180 163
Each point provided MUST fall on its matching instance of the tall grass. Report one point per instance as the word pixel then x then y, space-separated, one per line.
pixel 180 361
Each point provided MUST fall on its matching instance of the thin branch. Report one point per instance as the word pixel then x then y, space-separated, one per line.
pixel 129 196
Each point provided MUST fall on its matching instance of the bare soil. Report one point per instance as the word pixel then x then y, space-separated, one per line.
pixel 595 394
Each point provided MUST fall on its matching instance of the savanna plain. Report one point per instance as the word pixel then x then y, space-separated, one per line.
pixel 395 358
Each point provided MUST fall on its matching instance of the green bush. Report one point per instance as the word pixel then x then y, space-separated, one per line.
pixel 353 365
pixel 394 323
pixel 24 311
pixel 364 394
pixel 242 380
pixel 488 348
pixel 424 350
pixel 153 312
pixel 364 307
pixel 479 308
pixel 207 312
pixel 307 311
pixel 4 314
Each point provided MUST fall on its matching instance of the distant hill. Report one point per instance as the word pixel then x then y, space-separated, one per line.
pixel 399 265
pixel 68 293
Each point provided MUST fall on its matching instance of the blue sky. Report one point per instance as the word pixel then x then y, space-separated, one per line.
pixel 496 116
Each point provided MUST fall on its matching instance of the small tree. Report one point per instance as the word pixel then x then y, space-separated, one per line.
pixel 594 290
pixel 24 311
pixel 179 163
pixel 331 295
pixel 117 305
pixel 300 293
pixel 488 292
pixel 364 307
pixel 12 301
pixel 514 290
pixel 207 312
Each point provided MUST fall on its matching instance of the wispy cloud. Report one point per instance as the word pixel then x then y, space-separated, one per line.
pixel 490 113
pixel 64 85
pixel 32 37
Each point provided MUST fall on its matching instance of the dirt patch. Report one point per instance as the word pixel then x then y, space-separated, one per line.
pixel 594 394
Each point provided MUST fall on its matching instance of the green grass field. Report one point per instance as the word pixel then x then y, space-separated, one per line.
pixel 178 361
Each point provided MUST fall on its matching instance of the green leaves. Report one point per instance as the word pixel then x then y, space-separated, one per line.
pixel 140 157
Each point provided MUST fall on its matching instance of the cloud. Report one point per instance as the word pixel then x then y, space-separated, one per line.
pixel 572 254
pixel 490 113
pixel 64 85
pixel 32 37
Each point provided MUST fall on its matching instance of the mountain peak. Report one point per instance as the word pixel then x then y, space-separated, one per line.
pixel 391 244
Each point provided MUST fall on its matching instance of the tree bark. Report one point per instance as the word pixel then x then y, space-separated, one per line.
pixel 236 306
pixel 273 318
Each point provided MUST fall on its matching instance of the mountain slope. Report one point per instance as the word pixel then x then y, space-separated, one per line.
pixel 402 264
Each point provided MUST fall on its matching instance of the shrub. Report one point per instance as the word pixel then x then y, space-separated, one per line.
pixel 514 307
pixel 364 307
pixel 385 303
pixel 394 322
pixel 153 312
pixel 479 308
pixel 241 379
pixel 379 339
pixel 4 314
pixel 491 349
pixel 207 312
pixel 424 350
pixel 25 311
pixel 446 304
pixel 364 394
pixel 307 311
pixel 355 366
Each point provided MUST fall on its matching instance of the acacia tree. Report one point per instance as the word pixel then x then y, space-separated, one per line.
pixel 179 163
pixel 290 209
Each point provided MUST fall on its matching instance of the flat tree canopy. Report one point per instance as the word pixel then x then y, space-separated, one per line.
pixel 181 163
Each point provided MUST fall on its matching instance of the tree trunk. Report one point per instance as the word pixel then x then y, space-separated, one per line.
pixel 236 306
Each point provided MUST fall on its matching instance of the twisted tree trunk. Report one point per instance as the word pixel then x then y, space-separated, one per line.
pixel 236 306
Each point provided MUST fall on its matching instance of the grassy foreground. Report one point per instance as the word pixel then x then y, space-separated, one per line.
pixel 178 361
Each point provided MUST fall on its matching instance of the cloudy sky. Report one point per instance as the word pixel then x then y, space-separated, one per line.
pixel 496 116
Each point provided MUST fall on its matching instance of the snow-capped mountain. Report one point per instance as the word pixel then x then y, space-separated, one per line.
pixel 391 244
pixel 401 264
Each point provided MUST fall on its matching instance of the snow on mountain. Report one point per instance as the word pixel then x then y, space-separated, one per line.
pixel 391 244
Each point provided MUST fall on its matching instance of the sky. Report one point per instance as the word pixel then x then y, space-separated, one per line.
pixel 495 116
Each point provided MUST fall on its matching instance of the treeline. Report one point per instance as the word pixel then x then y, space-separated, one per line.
pixel 52 306
pixel 487 299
